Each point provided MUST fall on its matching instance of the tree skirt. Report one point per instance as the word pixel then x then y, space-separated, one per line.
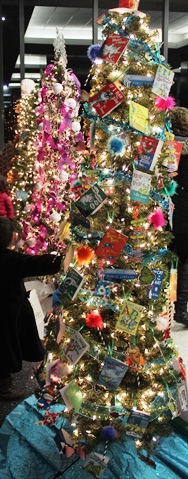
pixel 28 451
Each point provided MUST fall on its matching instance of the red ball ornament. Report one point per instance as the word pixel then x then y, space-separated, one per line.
pixel 94 320
pixel 84 255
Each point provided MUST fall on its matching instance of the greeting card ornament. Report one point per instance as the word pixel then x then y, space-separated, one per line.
pixel 94 320
pixel 84 255
pixel 157 219
pixel 129 317
pixel 113 47
pixel 107 99
pixel 112 373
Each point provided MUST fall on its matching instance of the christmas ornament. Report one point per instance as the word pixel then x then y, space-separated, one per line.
pixel 167 104
pixel 64 231
pixel 134 358
pixel 31 242
pixel 84 255
pixel 157 219
pixel 94 320
pixel 76 126
pixel 108 433
pixel 27 208
pixel 38 186
pixel 63 176
pixel 56 217
pixel 128 6
pixel 57 88
pixel 115 146
pixel 93 51
pixel 84 96
pixel 146 276
pixel 71 102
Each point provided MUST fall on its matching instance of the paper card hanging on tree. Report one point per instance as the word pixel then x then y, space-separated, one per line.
pixel 137 80
pixel 38 312
pixel 72 396
pixel 107 99
pixel 91 201
pixel 75 348
pixel 71 284
pixel 68 258
pixel 154 289
pixel 96 464
pixel 102 288
pixel 79 220
pixel 148 152
pixel 163 81
pixel 63 437
pixel 138 117
pixel 129 317
pixel 127 274
pixel 173 284
pixel 100 19
pixel 183 396
pixel 173 152
pixel 112 373
pixel 137 423
pixel 113 47
pixel 170 212
pixel 111 245
pixel 140 186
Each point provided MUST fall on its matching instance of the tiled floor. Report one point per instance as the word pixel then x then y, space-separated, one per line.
pixel 180 335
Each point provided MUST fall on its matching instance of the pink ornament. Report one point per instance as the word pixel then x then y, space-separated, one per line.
pixel 157 219
pixel 167 104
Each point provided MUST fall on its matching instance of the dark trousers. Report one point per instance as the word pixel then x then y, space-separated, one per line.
pixel 181 305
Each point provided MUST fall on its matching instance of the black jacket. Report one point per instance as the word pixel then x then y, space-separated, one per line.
pixel 19 338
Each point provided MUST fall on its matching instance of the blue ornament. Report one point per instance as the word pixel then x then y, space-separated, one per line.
pixel 115 145
pixel 93 51
pixel 108 433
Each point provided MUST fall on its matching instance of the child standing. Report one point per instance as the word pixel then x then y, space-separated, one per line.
pixel 6 208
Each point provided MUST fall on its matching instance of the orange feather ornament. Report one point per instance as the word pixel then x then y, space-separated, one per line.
pixel 84 255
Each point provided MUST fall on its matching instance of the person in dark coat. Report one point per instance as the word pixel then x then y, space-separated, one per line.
pixel 179 119
pixel 19 339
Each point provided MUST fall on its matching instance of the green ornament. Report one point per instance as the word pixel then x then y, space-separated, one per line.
pixel 146 276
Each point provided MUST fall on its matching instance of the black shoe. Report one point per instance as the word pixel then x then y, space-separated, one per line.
pixel 181 318
pixel 8 392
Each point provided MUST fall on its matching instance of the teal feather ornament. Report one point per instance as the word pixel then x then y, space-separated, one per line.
pixel 170 189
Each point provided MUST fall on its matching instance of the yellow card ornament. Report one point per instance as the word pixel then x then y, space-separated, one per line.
pixel 129 317
pixel 138 117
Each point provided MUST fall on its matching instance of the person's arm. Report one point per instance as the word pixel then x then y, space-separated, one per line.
pixel 25 265
pixel 8 207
